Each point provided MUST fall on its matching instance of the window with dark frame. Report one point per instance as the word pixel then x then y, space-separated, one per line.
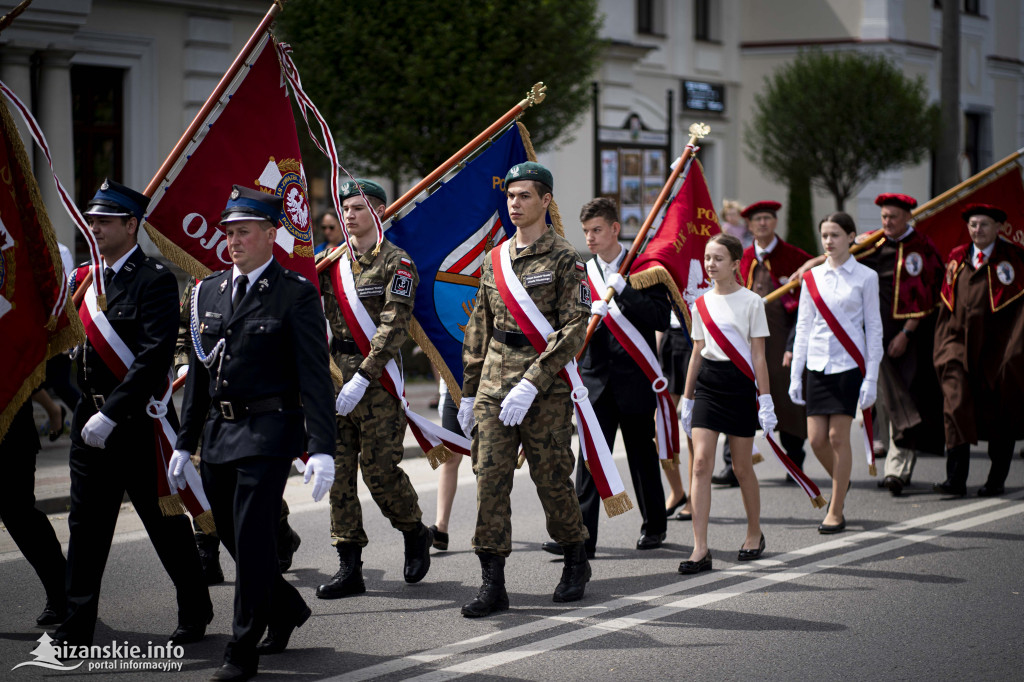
pixel 645 16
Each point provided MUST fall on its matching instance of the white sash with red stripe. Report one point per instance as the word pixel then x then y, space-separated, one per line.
pixel 118 358
pixel 430 436
pixel 537 329
pixel 633 341
pixel 737 348
pixel 842 327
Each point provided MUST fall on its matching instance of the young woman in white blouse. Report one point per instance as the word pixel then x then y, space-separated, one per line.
pixel 836 385
pixel 719 397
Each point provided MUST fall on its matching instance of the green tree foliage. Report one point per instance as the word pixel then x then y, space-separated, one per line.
pixel 841 119
pixel 406 83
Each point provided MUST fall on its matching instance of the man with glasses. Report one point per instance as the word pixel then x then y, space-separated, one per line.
pixel 331 229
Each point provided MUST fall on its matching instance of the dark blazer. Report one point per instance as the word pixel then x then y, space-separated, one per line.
pixel 606 363
pixel 276 346
pixel 142 302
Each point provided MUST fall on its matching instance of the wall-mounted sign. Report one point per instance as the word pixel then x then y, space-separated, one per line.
pixel 633 167
pixel 700 96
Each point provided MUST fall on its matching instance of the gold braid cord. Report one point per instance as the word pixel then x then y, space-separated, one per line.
pixel 176 254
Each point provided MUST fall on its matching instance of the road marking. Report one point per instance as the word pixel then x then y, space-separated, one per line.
pixel 854 542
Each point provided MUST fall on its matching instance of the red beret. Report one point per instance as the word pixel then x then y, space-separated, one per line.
pixel 904 201
pixel 761 207
pixel 993 212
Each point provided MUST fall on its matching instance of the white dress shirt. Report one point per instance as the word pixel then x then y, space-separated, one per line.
pixel 253 276
pixel 609 269
pixel 987 252
pixel 851 290
pixel 760 253
pixel 119 263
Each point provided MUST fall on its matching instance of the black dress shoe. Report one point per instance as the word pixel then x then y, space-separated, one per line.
pixel 947 488
pixel 726 477
pixel 894 484
pixel 826 529
pixel 690 567
pixel 53 614
pixel 440 539
pixel 230 671
pixel 278 635
pixel 190 633
pixel 683 516
pixel 990 491
pixel 552 547
pixel 650 541
pixel 751 554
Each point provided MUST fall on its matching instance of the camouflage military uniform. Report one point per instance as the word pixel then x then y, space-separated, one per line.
pixel 558 287
pixel 370 437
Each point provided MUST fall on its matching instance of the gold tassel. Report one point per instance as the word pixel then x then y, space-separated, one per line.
pixel 617 504
pixel 756 458
pixel 659 275
pixel 205 522
pixel 423 341
pixel 101 302
pixel 376 249
pixel 438 455
pixel 872 470
pixel 28 387
pixel 336 376
pixel 556 217
pixel 521 460
pixel 176 254
pixel 818 502
pixel 586 463
pixel 669 464
pixel 171 505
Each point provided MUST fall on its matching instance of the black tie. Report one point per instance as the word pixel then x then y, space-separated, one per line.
pixel 108 276
pixel 241 285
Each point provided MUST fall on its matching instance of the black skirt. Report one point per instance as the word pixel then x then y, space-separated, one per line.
pixel 725 400
pixel 674 356
pixel 833 393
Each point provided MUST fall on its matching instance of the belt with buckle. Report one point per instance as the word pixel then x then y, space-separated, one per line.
pixel 345 346
pixel 233 410
pixel 97 400
pixel 515 339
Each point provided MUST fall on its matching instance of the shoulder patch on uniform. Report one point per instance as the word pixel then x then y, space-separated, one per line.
pixel 585 293
pixel 580 266
pixel 401 283
pixel 405 261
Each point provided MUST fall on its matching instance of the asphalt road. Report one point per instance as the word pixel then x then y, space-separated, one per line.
pixel 918 588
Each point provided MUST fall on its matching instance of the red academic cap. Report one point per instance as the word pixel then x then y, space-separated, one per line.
pixel 995 213
pixel 904 201
pixel 761 207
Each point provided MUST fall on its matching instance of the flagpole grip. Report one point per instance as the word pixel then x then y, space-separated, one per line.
pixel 697 131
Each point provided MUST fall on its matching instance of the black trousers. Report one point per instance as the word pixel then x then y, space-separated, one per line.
pixel 958 462
pixel 29 527
pixel 245 496
pixel 99 480
pixel 793 446
pixel 638 432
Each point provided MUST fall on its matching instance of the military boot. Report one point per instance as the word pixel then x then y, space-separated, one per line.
pixel 209 558
pixel 349 578
pixel 288 542
pixel 492 595
pixel 575 574
pixel 417 553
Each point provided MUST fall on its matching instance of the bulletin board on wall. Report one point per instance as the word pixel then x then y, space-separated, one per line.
pixel 634 166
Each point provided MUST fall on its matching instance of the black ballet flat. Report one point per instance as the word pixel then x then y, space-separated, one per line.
pixel 690 567
pixel 826 529
pixel 669 511
pixel 751 554
pixel 56 433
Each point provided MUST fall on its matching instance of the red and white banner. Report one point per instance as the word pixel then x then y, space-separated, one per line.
pixel 633 341
pixel 839 324
pixel 537 329
pixel 119 358
pixel 430 436
pixel 736 347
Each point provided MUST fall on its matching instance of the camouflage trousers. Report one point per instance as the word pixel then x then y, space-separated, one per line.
pixel 546 438
pixel 370 438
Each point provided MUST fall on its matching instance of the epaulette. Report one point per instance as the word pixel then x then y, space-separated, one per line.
pixel 212 275
pixel 154 264
pixel 294 275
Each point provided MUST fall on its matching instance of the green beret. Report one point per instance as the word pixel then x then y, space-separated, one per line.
pixel 530 170
pixel 370 189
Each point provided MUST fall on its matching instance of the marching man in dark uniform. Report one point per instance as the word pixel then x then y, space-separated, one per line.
pixel 979 350
pixel 515 396
pixel 259 391
pixel 619 390
pixel 371 421
pixel 113 449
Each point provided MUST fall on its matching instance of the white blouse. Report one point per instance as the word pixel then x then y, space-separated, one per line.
pixel 743 309
pixel 851 290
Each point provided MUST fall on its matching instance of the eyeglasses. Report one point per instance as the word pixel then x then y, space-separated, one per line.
pixel 328 227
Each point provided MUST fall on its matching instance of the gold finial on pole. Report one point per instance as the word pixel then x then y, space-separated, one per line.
pixel 536 95
pixel 699 130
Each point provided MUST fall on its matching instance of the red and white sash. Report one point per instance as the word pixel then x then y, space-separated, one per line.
pixel 537 329
pixel 842 327
pixel 118 358
pixel 431 437
pixel 633 341
pixel 737 348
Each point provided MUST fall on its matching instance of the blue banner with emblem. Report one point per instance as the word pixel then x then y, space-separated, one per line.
pixel 448 235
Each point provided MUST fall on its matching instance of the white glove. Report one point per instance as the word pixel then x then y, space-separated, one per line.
pixel 686 416
pixel 299 465
pixel 868 394
pixel 321 469
pixel 176 468
pixel 796 390
pixel 599 307
pixel 466 418
pixel 616 281
pixel 351 393
pixel 97 430
pixel 517 403
pixel 766 413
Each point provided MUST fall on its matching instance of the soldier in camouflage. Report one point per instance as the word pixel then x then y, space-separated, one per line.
pixel 371 421
pixel 515 396
pixel 208 543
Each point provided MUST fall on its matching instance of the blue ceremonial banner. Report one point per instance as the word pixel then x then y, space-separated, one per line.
pixel 448 234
